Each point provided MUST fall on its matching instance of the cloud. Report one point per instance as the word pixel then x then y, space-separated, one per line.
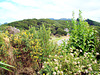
pixel 24 9
pixel 8 6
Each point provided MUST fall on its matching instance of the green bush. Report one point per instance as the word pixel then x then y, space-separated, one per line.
pixel 60 31
pixel 70 64
pixel 82 36
pixel 43 35
pixel 78 57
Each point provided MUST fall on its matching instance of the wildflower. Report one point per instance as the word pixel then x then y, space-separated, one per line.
pixel 78 62
pixel 38 72
pixel 63 51
pixel 58 72
pixel 75 63
pixel 44 74
pixel 92 50
pixel 49 56
pixel 97 53
pixel 91 59
pixel 66 69
pixel 89 65
pixel 56 68
pixel 79 71
pixel 57 63
pixel 44 62
pixel 54 73
pixel 90 68
pixel 61 72
pixel 55 59
pixel 66 60
pixel 70 72
pixel 61 56
pixel 80 50
pixel 77 50
pixel 55 55
pixel 82 66
pixel 75 73
pixel 48 63
pixel 86 71
pixel 84 54
pixel 43 67
pixel 76 58
pixel 70 48
pixel 95 61
pixel 71 54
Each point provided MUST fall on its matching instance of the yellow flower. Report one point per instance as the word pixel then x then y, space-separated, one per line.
pixel 36 57
pixel 44 74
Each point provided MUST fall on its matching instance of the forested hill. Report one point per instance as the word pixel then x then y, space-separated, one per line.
pixel 57 26
pixel 94 23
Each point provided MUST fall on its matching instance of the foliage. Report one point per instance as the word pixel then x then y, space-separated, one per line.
pixel 44 40
pixel 70 63
pixel 79 57
pixel 1 40
pixel 94 23
pixel 82 36
pixel 4 66
pixel 37 23
pixel 61 31
pixel 3 46
pixel 33 49
pixel 26 48
pixel 32 46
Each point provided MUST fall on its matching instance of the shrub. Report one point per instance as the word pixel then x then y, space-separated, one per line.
pixel 26 48
pixel 78 56
pixel 70 64
pixel 43 35
pixel 60 31
pixel 82 36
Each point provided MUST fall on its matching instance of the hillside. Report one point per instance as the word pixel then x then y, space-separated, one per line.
pixel 57 25
pixel 94 23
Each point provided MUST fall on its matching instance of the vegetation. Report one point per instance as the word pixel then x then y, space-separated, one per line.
pixel 56 26
pixel 33 53
pixel 4 66
pixel 78 56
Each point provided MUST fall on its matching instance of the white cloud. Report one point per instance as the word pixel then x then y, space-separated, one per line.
pixel 8 6
pixel 23 9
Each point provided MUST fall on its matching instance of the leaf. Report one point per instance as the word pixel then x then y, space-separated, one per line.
pixel 1 63
pixel 5 68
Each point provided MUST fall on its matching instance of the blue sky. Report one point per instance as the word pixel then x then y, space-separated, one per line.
pixel 13 10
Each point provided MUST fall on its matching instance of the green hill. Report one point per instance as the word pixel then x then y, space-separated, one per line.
pixel 57 26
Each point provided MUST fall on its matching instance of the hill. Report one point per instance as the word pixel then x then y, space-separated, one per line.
pixel 60 19
pixel 94 23
pixel 57 26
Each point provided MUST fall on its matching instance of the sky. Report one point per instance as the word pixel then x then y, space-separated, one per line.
pixel 14 10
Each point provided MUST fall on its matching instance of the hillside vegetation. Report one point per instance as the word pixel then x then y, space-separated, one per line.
pixel 33 53
pixel 57 26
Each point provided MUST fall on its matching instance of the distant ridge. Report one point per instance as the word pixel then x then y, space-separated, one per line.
pixel 59 19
